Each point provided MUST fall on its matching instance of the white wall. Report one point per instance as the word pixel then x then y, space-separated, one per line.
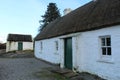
pixel 48 52
pixel 27 45
pixel 86 52
pixel 90 59
pixel 12 46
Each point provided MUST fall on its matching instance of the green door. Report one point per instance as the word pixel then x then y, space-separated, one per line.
pixel 20 46
pixel 68 53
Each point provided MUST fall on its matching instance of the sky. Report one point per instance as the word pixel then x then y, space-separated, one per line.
pixel 22 16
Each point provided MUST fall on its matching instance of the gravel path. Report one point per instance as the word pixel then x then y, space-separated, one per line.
pixel 34 69
pixel 21 68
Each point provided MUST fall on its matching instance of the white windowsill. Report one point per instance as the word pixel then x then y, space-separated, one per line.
pixel 106 60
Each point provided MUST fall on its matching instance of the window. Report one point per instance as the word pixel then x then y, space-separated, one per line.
pixel 56 45
pixel 106 45
pixel 41 46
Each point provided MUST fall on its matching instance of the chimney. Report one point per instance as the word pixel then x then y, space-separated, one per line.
pixel 67 10
pixel 94 0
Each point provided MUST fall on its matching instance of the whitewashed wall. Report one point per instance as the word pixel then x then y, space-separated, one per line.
pixel 86 52
pixel 12 46
pixel 90 59
pixel 27 45
pixel 48 52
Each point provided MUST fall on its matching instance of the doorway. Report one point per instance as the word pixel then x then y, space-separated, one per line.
pixel 68 53
pixel 20 46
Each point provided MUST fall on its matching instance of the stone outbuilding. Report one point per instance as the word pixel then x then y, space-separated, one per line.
pixel 18 42
pixel 84 40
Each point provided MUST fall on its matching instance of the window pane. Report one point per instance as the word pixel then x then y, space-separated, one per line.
pixel 103 51
pixel 109 51
pixel 108 41
pixel 103 41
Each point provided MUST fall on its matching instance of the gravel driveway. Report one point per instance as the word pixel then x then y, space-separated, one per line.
pixel 22 69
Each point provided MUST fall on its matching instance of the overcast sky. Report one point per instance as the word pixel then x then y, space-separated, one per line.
pixel 22 16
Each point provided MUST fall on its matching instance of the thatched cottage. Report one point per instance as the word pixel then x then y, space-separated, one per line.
pixel 85 40
pixel 19 42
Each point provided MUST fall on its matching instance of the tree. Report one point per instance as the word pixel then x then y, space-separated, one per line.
pixel 50 15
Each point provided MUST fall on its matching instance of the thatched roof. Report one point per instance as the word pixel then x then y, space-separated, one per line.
pixel 94 15
pixel 19 37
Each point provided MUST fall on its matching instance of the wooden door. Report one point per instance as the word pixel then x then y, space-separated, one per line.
pixel 68 53
pixel 20 46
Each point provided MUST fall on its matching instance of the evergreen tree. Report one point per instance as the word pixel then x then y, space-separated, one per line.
pixel 51 14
